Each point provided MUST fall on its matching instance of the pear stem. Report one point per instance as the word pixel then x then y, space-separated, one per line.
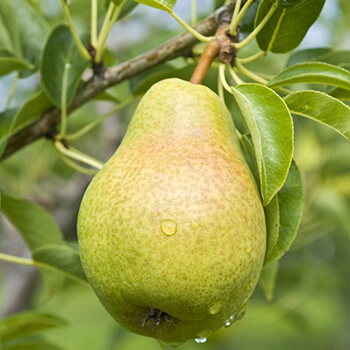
pixel 220 46
pixel 210 52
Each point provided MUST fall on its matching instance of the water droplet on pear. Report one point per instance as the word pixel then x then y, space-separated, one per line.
pixel 168 227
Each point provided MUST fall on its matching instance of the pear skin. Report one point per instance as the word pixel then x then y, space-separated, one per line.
pixel 172 229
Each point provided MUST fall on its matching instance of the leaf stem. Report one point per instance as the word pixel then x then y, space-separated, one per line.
pixel 74 154
pixel 234 76
pixel 104 34
pixel 249 73
pixel 94 15
pixel 31 262
pixel 221 89
pixel 253 57
pixel 76 166
pixel 83 51
pixel 194 17
pixel 256 77
pixel 92 125
pixel 197 35
pixel 223 78
pixel 258 28
pixel 64 102
pixel 238 17
pixel 12 91
pixel 105 23
pixel 234 22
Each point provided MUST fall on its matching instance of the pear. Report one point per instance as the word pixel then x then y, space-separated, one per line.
pixel 172 230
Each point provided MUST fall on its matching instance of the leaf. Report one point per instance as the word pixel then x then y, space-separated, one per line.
pixel 219 3
pixel 290 200
pixel 127 8
pixel 10 62
pixel 270 125
pixel 25 323
pixel 35 224
pixel 107 96
pixel 272 209
pixel 249 153
pixel 268 280
pixel 288 25
pixel 322 108
pixel 289 3
pixel 60 54
pixel 33 30
pixel 166 5
pixel 31 109
pixel 313 72
pixel 247 23
pixel 6 120
pixel 62 256
pixel 31 344
pixel 272 214
pixel 327 55
pixel 9 35
pixel 340 94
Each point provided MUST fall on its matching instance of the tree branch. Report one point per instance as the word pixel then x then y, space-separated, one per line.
pixel 176 47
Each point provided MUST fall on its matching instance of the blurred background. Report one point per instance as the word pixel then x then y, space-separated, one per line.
pixel 311 305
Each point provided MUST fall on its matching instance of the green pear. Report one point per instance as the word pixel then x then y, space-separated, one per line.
pixel 172 229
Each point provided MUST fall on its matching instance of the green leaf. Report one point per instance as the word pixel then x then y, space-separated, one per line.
pixel 60 53
pixel 25 323
pixel 107 96
pixel 31 109
pixel 62 256
pixel 249 154
pixel 313 72
pixel 289 24
pixel 9 34
pixel 127 8
pixel 322 108
pixel 117 2
pixel 6 121
pixel 327 55
pixel 289 3
pixel 268 280
pixel 166 5
pixel 247 23
pixel 31 344
pixel 272 214
pixel 35 224
pixel 10 62
pixel 271 127
pixel 290 200
pixel 33 30
pixel 272 209
pixel 219 3
pixel 340 94
pixel 35 106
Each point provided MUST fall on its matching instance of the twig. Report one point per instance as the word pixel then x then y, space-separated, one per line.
pixel 176 47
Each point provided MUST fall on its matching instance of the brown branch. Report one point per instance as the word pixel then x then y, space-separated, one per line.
pixel 176 47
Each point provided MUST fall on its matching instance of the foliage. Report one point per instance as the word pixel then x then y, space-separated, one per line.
pixel 273 109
